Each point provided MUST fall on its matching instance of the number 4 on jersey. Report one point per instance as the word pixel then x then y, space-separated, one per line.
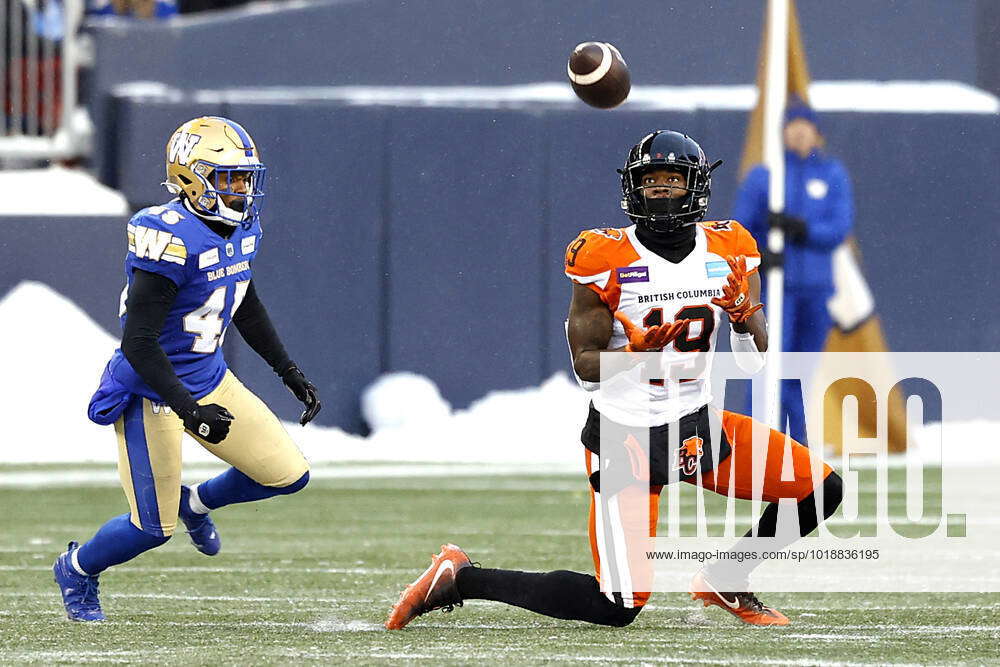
pixel 205 321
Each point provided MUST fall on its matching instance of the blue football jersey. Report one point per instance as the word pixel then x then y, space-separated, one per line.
pixel 212 275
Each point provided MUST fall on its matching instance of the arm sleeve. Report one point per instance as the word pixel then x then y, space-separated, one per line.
pixel 829 231
pixel 750 209
pixel 150 296
pixel 255 326
pixel 748 357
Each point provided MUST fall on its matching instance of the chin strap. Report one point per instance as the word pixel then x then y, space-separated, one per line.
pixel 229 221
pixel 210 216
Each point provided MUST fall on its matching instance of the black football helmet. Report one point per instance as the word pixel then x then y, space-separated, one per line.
pixel 665 149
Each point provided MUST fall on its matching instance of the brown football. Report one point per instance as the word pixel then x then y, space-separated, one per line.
pixel 598 74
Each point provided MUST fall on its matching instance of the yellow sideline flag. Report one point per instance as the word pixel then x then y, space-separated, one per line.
pixel 856 324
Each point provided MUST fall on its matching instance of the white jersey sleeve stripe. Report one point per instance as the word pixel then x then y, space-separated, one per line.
pixel 599 279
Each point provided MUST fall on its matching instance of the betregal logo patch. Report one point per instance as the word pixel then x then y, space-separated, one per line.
pixel 633 274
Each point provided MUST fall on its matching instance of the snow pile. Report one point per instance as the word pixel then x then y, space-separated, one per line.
pixel 534 425
pixel 396 400
pixel 46 385
pixel 58 191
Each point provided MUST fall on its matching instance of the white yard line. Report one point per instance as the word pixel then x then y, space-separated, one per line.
pixel 109 476
pixel 651 607
pixel 226 570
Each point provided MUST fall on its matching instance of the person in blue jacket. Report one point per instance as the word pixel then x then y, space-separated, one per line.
pixel 818 216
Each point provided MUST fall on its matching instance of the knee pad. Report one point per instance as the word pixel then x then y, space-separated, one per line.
pixel 295 486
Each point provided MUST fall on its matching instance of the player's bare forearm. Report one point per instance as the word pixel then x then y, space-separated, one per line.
pixel 757 324
pixel 590 323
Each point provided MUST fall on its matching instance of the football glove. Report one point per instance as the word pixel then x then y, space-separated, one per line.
pixel 304 391
pixel 652 339
pixel 795 228
pixel 209 422
pixel 736 292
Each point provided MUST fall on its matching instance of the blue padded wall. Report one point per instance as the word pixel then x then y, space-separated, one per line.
pixel 480 42
pixel 318 271
pixel 431 240
pixel 465 273
pixel 81 258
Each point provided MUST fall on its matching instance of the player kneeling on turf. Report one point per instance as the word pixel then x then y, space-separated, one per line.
pixel 188 275
pixel 654 272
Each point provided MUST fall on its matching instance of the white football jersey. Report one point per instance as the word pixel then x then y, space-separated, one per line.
pixel 650 290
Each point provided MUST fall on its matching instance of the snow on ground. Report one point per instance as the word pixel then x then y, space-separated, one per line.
pixel 43 405
pixel 77 193
pixel 46 387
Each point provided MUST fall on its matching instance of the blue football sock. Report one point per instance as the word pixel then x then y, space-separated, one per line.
pixel 115 542
pixel 233 486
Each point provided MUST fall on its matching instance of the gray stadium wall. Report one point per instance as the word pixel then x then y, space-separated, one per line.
pixel 483 42
pixel 431 240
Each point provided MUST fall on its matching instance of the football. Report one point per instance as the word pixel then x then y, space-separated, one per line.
pixel 598 74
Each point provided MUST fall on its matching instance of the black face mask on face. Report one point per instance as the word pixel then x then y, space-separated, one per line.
pixel 672 246
pixel 666 205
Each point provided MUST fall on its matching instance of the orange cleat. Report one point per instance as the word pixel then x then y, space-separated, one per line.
pixel 434 589
pixel 744 606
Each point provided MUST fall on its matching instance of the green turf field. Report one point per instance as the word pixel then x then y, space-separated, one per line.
pixel 310 578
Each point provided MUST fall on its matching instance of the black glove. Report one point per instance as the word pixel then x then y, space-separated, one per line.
pixel 795 229
pixel 209 422
pixel 304 391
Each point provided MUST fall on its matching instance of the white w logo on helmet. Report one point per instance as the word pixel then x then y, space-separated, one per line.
pixel 181 146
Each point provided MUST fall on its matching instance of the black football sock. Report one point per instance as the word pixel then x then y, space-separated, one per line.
pixel 732 573
pixel 560 594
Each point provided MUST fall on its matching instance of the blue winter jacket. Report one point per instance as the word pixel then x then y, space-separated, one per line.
pixel 818 190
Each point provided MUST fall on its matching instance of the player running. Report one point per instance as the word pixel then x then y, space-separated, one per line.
pixel 188 273
pixel 661 273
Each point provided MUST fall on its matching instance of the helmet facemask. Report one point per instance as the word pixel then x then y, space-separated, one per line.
pixel 665 214
pixel 218 180
pixel 669 151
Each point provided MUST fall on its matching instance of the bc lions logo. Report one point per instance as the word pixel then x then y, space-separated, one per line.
pixel 688 455
pixel 181 145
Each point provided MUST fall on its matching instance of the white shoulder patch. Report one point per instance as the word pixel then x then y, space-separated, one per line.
pixel 248 244
pixel 208 258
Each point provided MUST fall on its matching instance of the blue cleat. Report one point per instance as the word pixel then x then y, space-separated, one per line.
pixel 79 591
pixel 200 527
